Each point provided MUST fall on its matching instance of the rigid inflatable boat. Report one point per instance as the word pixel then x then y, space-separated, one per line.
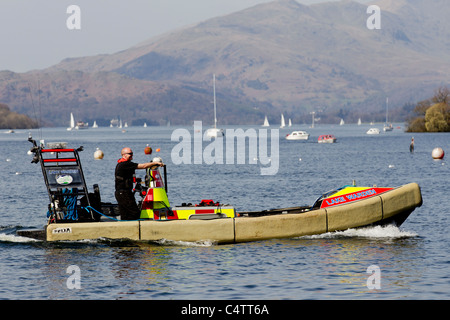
pixel 75 214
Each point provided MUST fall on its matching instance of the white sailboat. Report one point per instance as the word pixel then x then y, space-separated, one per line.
pixel 313 118
pixel 283 124
pixel 72 123
pixel 342 122
pixel 214 132
pixel 145 124
pixel 387 127
pixel 266 122
pixel 290 123
pixel 95 124
pixel 359 121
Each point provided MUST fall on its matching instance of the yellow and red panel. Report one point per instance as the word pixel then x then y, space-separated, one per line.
pixel 351 194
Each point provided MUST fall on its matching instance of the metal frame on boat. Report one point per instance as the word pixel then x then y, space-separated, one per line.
pixel 340 209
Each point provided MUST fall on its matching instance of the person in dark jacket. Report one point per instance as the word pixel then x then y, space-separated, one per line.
pixel 125 170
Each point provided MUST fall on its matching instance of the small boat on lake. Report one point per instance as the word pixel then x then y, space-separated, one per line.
pixel 387 126
pixel 326 138
pixel 76 214
pixel 81 125
pixel 373 131
pixel 72 123
pixel 283 123
pixel 215 132
pixel 297 135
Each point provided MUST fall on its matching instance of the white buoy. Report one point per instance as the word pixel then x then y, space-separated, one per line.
pixel 98 154
pixel 438 153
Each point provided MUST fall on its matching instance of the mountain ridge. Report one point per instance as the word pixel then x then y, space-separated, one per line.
pixel 275 57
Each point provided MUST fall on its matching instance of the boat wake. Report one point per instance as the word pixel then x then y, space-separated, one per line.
pixel 202 243
pixel 8 234
pixel 375 232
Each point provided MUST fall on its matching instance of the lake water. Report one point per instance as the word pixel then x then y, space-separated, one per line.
pixel 413 260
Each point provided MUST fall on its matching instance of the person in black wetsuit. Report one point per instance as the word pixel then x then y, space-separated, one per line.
pixel 124 172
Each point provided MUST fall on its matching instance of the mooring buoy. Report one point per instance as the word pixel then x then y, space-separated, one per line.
pixel 148 150
pixel 438 153
pixel 98 154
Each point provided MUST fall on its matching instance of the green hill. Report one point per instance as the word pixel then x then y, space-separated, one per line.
pixel 432 115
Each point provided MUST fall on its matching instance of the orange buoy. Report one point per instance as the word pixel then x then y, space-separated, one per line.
pixel 158 150
pixel 148 150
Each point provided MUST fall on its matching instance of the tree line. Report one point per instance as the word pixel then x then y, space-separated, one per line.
pixel 432 115
pixel 13 120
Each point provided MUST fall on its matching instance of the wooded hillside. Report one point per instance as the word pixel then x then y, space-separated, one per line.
pixel 432 115
pixel 13 120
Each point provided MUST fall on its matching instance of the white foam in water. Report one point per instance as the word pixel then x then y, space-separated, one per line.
pixel 15 238
pixel 390 231
pixel 376 232
pixel 202 243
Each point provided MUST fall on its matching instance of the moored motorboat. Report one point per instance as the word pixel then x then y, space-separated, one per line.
pixel 75 214
pixel 215 132
pixel 326 138
pixel 373 131
pixel 297 135
pixel 81 125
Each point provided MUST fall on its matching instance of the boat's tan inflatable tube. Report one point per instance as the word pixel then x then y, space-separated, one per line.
pixel 396 204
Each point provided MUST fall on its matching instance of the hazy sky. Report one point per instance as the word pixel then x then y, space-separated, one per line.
pixel 34 34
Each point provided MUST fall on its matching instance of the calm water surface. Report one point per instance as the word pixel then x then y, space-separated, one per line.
pixel 414 260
